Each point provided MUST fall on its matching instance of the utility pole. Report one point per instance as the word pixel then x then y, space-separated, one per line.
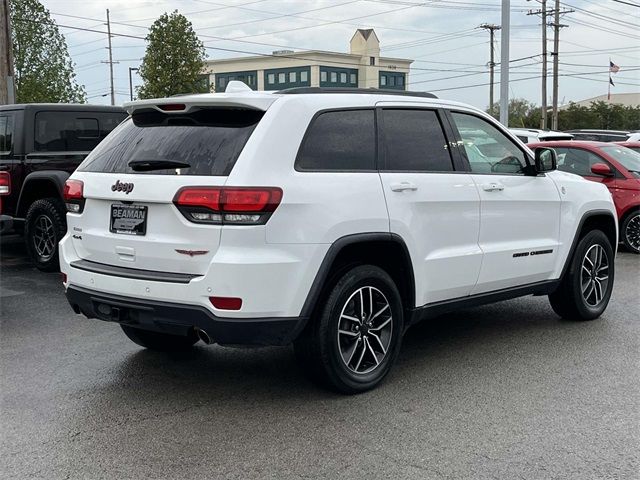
pixel 131 69
pixel 556 48
pixel 110 61
pixel 504 63
pixel 7 85
pixel 543 13
pixel 491 28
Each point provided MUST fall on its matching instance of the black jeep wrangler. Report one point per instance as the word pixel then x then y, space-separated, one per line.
pixel 40 146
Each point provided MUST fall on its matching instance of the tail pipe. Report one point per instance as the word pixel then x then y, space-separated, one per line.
pixel 204 336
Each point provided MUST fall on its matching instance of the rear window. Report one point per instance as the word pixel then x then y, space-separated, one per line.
pixel 73 131
pixel 208 139
pixel 340 140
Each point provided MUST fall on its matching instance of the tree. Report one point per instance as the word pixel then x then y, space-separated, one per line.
pixel 598 115
pixel 174 59
pixel 43 68
pixel 522 113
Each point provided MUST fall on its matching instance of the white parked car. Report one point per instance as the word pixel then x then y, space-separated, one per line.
pixel 533 135
pixel 633 137
pixel 330 220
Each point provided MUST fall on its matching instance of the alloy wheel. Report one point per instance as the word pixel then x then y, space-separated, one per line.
pixel 594 275
pixel 365 328
pixel 632 232
pixel 44 238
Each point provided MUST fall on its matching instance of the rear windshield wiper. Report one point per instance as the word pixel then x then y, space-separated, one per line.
pixel 148 165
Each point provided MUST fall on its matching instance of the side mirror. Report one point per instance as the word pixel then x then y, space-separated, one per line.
pixel 546 159
pixel 601 169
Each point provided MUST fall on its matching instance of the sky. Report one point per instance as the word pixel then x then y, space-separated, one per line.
pixel 451 53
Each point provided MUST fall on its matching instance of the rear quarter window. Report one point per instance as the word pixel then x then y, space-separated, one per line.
pixel 210 140
pixel 339 140
pixel 73 131
pixel 6 133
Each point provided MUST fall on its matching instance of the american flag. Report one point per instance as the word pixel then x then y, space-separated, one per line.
pixel 613 68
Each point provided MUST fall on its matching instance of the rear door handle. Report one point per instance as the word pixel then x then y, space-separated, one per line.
pixel 493 187
pixel 402 186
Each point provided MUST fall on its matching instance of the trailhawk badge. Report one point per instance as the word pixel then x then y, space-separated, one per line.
pixel 192 253
pixel 122 187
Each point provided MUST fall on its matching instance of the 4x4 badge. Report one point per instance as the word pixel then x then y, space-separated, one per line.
pixel 122 187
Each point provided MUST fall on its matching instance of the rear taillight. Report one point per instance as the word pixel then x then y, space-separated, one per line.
pixel 74 196
pixel 5 183
pixel 228 205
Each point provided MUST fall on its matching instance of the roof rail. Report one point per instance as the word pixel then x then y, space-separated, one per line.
pixel 365 91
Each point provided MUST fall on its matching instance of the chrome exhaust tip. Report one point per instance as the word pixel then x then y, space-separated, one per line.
pixel 204 336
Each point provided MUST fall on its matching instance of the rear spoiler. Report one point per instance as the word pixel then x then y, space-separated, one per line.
pixel 182 104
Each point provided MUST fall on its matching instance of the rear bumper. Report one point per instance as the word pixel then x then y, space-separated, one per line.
pixel 179 319
pixel 6 223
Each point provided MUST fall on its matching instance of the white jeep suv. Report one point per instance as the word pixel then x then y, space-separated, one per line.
pixel 328 219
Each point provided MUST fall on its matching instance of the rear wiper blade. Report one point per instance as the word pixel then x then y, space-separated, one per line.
pixel 148 165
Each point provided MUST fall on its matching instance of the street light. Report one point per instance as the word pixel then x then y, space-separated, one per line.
pixel 131 69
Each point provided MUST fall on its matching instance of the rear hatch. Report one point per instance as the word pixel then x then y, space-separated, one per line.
pixel 130 181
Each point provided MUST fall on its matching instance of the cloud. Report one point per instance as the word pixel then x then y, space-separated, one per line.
pixel 406 28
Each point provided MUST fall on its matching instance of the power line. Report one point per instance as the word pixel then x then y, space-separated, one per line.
pixel 279 15
pixel 232 50
pixel 627 3
pixel 393 10
pixel 600 16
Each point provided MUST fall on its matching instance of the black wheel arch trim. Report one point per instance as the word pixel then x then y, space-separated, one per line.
pixel 55 177
pixel 577 235
pixel 336 247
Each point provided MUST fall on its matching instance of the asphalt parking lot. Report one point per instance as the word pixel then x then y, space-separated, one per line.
pixel 506 391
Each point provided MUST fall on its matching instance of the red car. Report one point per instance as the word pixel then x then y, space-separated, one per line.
pixel 614 165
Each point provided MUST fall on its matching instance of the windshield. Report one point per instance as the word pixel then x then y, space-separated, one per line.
pixel 627 157
pixel 206 141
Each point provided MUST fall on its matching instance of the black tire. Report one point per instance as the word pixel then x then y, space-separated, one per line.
pixel 162 342
pixel 574 301
pixel 45 226
pixel 323 351
pixel 630 232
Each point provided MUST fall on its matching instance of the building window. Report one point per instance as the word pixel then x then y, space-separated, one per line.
pixel 248 78
pixel 372 60
pixel 287 78
pixel 338 77
pixel 392 80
